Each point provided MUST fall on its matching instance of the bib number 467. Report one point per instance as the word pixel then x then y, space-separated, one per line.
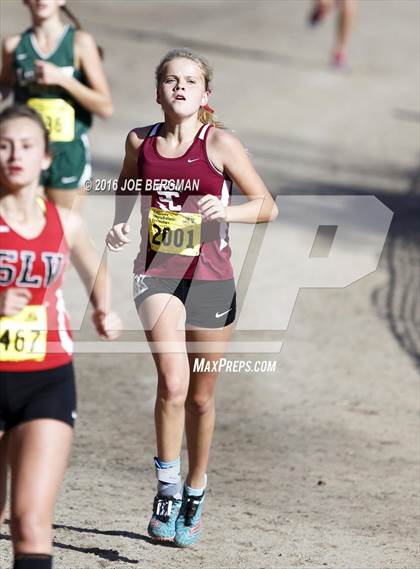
pixel 24 337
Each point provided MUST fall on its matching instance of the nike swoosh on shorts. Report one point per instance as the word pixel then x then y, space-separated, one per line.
pixel 222 314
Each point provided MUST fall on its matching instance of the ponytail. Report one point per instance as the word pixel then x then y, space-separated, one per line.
pixel 77 24
pixel 71 17
pixel 206 116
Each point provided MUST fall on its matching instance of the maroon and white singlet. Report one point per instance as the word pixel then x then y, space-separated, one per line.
pixel 175 241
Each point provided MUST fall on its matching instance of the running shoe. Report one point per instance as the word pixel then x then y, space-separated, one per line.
pixel 339 60
pixel 162 523
pixel 317 15
pixel 189 525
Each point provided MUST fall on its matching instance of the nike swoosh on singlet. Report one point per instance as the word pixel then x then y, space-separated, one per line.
pixel 222 314
pixel 192 160
pixel 4 229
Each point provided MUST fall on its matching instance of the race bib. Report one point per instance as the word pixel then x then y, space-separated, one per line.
pixel 58 117
pixel 24 337
pixel 175 233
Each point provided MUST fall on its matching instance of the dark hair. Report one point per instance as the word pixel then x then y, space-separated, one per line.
pixel 77 24
pixel 71 17
pixel 25 112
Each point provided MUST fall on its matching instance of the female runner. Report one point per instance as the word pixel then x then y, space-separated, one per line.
pixel 183 281
pixel 345 20
pixel 37 389
pixel 56 69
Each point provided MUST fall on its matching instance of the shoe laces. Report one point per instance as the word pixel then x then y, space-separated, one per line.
pixel 162 507
pixel 191 507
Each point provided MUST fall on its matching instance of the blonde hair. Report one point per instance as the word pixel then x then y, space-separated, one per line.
pixel 204 115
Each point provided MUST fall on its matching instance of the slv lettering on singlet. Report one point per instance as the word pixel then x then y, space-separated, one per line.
pixel 284 264
pixel 52 261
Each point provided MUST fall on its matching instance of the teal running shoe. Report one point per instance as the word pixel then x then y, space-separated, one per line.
pixel 189 525
pixel 162 523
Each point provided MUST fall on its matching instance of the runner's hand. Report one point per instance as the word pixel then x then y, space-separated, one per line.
pixel 48 74
pixel 108 325
pixel 13 300
pixel 212 209
pixel 117 236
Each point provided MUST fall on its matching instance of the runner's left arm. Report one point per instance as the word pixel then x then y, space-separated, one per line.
pixel 229 156
pixel 96 97
pixel 93 273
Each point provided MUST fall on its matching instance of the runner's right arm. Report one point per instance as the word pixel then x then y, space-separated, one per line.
pixel 95 96
pixel 125 199
pixel 7 75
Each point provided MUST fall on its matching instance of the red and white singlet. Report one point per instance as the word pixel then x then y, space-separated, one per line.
pixel 175 241
pixel 39 337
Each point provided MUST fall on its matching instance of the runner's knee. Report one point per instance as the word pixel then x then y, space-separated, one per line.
pixel 200 404
pixel 172 389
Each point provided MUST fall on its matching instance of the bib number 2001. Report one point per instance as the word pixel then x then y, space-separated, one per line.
pixel 175 233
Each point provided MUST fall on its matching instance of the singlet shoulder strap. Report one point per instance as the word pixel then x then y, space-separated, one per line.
pixel 26 33
pixel 148 140
pixel 202 134
pixel 153 131
pixel 42 204
pixel 24 42
pixel 53 215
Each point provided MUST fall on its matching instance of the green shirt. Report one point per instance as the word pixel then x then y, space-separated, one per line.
pixel 62 55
